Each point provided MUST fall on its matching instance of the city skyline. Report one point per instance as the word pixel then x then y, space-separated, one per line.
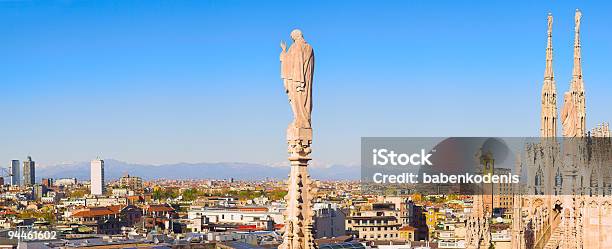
pixel 120 89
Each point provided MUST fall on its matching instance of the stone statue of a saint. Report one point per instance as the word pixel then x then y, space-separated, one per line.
pixel 577 18
pixel 297 68
pixel 550 23
pixel 569 116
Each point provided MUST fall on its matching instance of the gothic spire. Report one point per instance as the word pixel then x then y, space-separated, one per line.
pixel 548 122
pixel 577 84
pixel 577 71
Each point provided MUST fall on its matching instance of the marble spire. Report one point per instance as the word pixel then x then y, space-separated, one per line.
pixel 577 84
pixel 548 127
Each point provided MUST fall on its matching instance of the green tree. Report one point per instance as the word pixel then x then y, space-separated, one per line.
pixel 77 193
pixel 190 194
pixel 276 194
pixel 161 194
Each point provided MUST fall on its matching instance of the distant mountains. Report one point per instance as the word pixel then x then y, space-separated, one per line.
pixel 113 169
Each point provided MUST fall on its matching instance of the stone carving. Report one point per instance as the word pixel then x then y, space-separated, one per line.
pixel 569 116
pixel 550 23
pixel 299 148
pixel 577 19
pixel 297 68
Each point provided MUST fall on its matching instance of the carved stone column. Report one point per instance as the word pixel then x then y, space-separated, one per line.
pixel 298 232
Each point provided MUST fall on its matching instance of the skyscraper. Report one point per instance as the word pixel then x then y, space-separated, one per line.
pixel 47 182
pixel 29 172
pixel 97 177
pixel 15 176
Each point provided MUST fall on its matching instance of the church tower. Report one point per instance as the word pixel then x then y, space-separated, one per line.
pixel 577 84
pixel 548 122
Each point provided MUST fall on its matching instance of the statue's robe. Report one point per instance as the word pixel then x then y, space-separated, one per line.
pixel 297 68
pixel 569 117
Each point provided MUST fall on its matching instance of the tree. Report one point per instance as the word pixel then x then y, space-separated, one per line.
pixel 277 194
pixel 160 194
pixel 77 193
pixel 190 194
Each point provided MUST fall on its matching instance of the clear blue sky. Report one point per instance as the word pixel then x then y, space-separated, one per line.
pixel 180 81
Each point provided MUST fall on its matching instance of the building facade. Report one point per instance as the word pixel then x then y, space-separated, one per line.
pixel 328 220
pixel 47 182
pixel 377 221
pixel 131 182
pixel 29 172
pixel 203 218
pixel 15 175
pixel 97 177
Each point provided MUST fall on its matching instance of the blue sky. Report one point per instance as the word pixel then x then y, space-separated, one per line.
pixel 198 81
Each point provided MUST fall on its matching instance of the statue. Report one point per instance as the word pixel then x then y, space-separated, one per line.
pixel 550 23
pixel 297 68
pixel 569 116
pixel 577 18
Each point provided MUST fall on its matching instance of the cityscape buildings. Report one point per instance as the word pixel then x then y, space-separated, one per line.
pixel 565 203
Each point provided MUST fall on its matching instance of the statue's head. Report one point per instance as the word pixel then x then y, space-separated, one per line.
pixel 296 34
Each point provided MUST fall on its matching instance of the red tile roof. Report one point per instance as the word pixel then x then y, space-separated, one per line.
pixel 7 212
pixel 407 228
pixel 94 212
pixel 115 208
pixel 159 208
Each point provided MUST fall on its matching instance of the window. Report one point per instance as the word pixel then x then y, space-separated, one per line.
pixel 538 182
pixel 558 180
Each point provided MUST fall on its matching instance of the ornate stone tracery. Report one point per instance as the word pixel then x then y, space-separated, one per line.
pixel 570 208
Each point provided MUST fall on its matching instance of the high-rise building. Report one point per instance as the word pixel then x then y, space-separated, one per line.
pixel 97 177
pixel 39 191
pixel 29 172
pixel 131 182
pixel 47 182
pixel 15 176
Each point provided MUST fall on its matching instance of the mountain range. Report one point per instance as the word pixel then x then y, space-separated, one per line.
pixel 113 169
